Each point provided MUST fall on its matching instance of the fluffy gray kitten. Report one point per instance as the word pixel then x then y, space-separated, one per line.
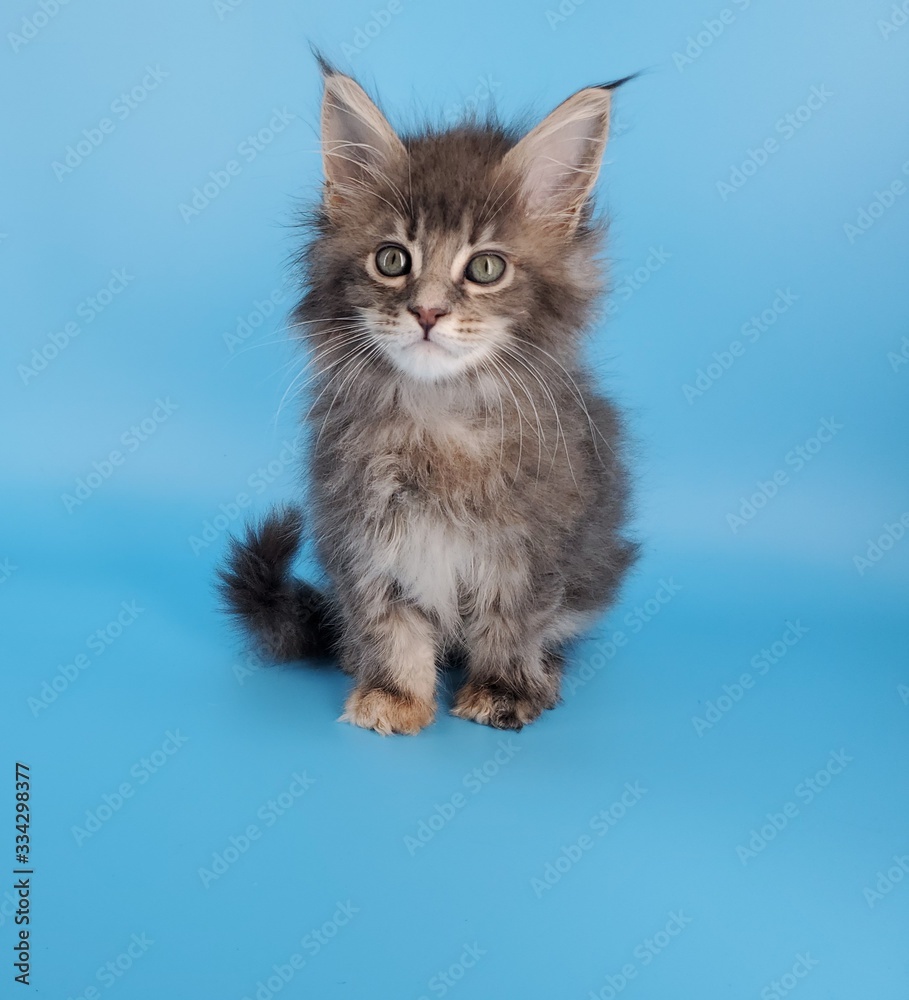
pixel 468 492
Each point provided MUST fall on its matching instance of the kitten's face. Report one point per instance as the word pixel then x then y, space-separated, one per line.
pixel 443 283
pixel 441 299
pixel 444 255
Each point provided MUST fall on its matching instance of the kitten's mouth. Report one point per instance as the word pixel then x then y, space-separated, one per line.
pixel 429 345
pixel 426 343
pixel 428 357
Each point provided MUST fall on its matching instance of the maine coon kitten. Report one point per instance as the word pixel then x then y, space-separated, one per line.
pixel 468 488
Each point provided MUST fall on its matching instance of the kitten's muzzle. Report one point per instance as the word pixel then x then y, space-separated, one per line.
pixel 427 317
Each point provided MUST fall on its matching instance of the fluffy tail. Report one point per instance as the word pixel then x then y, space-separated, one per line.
pixel 287 618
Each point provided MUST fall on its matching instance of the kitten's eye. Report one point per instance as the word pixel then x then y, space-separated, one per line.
pixel 485 268
pixel 392 261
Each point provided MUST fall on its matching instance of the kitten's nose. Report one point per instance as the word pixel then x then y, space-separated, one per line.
pixel 427 316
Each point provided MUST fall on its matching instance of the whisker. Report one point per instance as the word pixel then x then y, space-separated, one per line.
pixel 560 431
pixel 350 377
pixel 495 385
pixel 289 340
pixel 578 394
pixel 517 471
pixel 356 341
pixel 540 433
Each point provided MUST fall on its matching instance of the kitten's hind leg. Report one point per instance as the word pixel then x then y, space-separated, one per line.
pixel 390 647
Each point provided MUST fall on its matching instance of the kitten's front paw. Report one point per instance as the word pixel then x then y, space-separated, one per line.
pixel 387 712
pixel 496 706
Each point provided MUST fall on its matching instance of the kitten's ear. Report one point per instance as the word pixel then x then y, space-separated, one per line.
pixel 559 159
pixel 358 144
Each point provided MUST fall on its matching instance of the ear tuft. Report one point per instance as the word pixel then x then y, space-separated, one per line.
pixel 615 84
pixel 325 67
pixel 560 159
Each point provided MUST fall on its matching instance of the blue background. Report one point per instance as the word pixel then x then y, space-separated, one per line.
pixel 691 264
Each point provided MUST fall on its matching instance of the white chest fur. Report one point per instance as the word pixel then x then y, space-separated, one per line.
pixel 431 529
pixel 433 561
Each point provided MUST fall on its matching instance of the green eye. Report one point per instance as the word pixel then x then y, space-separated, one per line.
pixel 392 261
pixel 485 268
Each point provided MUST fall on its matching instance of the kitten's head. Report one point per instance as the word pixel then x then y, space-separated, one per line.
pixel 449 251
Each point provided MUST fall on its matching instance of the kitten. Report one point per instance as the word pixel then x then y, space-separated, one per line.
pixel 468 489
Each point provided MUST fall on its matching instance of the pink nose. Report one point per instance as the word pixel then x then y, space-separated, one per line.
pixel 427 317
